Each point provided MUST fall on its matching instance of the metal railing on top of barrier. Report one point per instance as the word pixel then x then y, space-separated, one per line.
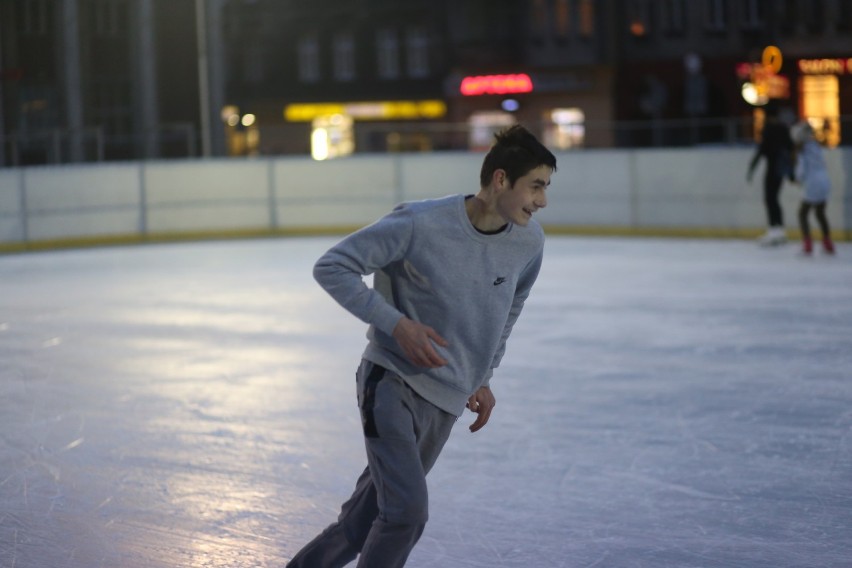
pixel 181 140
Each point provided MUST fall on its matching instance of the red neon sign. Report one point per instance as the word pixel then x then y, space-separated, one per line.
pixel 496 84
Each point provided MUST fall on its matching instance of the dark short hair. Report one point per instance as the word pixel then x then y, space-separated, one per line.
pixel 516 151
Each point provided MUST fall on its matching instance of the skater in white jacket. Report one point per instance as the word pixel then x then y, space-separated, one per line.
pixel 450 279
pixel 812 173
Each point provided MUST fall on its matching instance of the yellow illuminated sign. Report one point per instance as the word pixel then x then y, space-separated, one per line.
pixel 772 59
pixel 374 110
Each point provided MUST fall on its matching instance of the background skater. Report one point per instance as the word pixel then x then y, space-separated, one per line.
pixel 777 147
pixel 812 173
pixel 451 278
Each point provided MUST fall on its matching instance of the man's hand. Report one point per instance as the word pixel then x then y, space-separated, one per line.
pixel 482 402
pixel 416 342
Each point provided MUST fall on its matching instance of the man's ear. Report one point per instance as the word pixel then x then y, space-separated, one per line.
pixel 500 179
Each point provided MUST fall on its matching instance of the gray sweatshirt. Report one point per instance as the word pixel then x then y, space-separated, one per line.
pixel 434 267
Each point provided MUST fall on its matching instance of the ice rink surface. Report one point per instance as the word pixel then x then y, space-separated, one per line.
pixel 663 403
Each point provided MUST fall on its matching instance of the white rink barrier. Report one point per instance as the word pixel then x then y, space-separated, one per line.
pixel 700 192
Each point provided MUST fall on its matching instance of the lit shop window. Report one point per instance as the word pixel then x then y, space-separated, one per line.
pixel 820 100
pixel 242 136
pixel 567 128
pixel 483 125
pixel 332 137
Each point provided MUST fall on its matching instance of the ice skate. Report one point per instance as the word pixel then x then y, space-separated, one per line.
pixel 828 245
pixel 773 237
pixel 807 246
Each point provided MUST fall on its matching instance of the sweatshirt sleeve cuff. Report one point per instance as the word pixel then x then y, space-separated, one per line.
pixel 385 318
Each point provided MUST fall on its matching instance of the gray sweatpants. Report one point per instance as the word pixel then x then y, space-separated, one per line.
pixel 387 512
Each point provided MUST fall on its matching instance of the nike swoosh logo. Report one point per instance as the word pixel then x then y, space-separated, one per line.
pixel 499 281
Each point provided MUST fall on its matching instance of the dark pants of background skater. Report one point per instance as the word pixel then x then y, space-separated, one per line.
pixel 771 192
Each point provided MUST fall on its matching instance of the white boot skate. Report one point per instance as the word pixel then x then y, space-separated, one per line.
pixel 773 237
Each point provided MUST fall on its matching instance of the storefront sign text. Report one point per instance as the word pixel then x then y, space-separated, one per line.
pixel 827 66
pixel 496 84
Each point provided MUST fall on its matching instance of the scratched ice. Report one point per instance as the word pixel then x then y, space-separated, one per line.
pixel 662 403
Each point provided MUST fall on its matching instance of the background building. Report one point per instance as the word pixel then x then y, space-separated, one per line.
pixel 316 75
pixel 546 63
pixel 688 61
pixel 84 80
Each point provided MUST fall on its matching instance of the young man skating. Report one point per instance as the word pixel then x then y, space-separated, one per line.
pixel 450 279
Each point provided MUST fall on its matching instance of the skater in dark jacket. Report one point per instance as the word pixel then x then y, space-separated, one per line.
pixel 776 147
pixel 450 279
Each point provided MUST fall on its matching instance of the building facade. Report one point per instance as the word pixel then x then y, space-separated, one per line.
pixel 329 77
pixel 84 80
pixel 692 63
pixel 545 63
pixel 416 75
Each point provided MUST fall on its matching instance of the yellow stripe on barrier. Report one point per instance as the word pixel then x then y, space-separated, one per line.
pixel 338 230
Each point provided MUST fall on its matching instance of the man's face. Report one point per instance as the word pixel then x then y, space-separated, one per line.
pixel 518 203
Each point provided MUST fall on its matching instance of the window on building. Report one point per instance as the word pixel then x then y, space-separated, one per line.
pixel 587 18
pixel 639 18
pixel 34 17
pixel 788 15
pixel 309 60
pixel 753 14
pixel 253 68
pixel 387 52
pixel 674 17
pixel 815 15
pixel 110 17
pixel 344 56
pixel 539 21
pixel 843 18
pixel 562 19
pixel 715 15
pixel 417 51
pixel 479 20
pixel 110 107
